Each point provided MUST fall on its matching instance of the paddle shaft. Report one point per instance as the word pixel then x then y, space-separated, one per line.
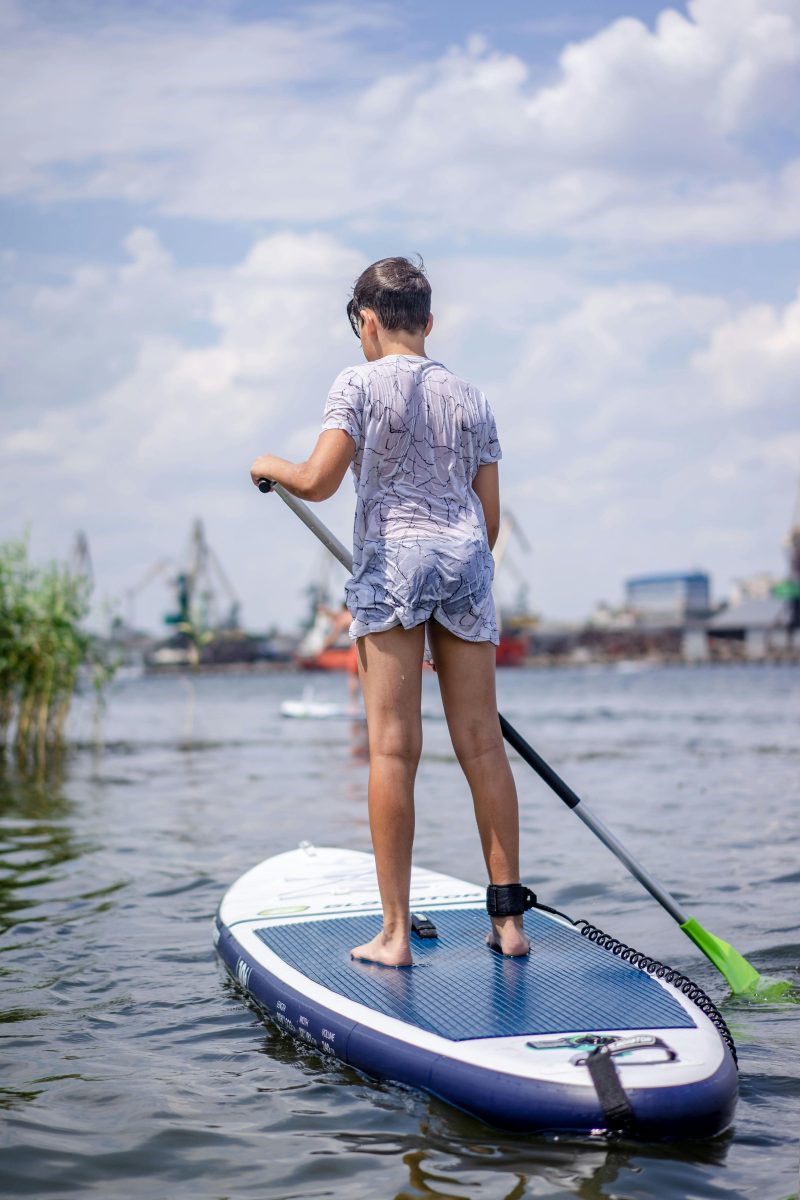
pixel 514 739
pixel 301 510
pixel 565 793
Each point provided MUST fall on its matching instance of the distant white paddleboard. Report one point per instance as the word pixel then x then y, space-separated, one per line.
pixel 318 710
pixel 309 709
pixel 572 1038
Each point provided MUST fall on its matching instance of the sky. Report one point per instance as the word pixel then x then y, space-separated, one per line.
pixel 607 200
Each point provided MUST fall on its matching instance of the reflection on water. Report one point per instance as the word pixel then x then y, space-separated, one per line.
pixel 133 1065
pixel 34 839
pixel 359 741
pixel 425 1181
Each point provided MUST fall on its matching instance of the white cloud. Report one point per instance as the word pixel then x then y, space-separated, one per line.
pixel 646 136
pixel 644 467
pixel 753 360
pixel 614 361
pixel 272 314
pixel 739 458
pixel 63 343
pixel 175 432
pixel 759 206
pixel 643 423
pixel 683 93
pixel 618 455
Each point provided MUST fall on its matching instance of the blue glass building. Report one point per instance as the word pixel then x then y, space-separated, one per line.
pixel 677 595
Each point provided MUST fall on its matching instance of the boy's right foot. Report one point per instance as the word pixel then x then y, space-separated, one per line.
pixel 385 950
pixel 508 937
pixel 505 904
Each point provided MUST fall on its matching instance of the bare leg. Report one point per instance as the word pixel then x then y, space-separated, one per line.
pixel 390 669
pixel 466 672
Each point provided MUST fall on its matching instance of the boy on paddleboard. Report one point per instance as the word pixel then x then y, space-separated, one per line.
pixel 423 448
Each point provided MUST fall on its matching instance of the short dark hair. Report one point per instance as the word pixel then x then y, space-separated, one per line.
pixel 397 291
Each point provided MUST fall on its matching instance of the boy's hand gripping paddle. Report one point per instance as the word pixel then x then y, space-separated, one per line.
pixel 740 974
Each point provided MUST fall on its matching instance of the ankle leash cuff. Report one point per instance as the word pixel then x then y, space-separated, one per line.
pixel 508 899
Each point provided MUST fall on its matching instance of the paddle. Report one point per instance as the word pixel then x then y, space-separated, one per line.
pixel 740 974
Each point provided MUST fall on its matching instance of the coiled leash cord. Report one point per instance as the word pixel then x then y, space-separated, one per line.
pixel 661 971
pixel 636 959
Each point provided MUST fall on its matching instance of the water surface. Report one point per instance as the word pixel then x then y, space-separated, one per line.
pixel 133 1067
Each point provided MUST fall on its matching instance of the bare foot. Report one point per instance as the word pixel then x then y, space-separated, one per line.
pixel 508 937
pixel 388 951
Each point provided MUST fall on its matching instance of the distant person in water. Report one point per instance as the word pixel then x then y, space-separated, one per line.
pixel 423 448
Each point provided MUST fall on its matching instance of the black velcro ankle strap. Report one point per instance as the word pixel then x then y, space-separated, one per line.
pixel 508 899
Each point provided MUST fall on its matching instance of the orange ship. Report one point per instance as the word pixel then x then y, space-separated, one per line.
pixel 512 650
pixel 327 645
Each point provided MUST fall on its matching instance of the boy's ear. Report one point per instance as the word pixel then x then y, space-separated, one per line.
pixel 429 325
pixel 369 322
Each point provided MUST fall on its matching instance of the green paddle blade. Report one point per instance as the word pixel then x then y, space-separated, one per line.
pixel 737 970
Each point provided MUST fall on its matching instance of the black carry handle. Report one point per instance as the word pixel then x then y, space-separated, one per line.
pixel 265 485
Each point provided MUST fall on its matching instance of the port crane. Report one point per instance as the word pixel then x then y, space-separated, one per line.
pixel 197 582
pixel 153 572
pixel 790 590
pixel 509 527
pixel 198 585
pixel 80 559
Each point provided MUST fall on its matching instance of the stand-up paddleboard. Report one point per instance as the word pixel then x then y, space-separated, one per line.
pixel 571 1038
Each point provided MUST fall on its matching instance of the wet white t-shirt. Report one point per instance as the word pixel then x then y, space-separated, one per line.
pixel 419 538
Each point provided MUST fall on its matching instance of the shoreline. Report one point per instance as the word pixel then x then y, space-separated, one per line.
pixel 531 662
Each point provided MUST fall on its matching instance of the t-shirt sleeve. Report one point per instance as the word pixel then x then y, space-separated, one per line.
pixel 490 450
pixel 344 407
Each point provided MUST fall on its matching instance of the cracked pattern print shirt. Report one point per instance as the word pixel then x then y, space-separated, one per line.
pixel 419 539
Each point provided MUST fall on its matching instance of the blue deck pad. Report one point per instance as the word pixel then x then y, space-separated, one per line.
pixel 459 989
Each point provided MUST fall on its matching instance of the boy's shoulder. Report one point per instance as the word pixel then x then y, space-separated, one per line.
pixel 360 376
pixel 394 364
pixel 440 374
pixel 349 379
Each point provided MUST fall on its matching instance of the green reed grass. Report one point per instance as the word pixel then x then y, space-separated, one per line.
pixel 42 646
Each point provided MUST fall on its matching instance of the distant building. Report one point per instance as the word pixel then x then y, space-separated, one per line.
pixel 753 587
pixel 763 627
pixel 607 616
pixel 672 598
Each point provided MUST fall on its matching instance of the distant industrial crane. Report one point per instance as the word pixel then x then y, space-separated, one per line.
pixel 510 526
pixel 196 582
pixel 197 586
pixel 131 593
pixel 792 587
pixel 80 559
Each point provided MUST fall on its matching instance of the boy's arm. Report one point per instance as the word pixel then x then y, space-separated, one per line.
pixel 319 476
pixel 486 486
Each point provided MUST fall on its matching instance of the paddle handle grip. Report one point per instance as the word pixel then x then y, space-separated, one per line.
pixel 265 485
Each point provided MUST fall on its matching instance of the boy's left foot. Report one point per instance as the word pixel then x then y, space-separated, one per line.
pixel 386 951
